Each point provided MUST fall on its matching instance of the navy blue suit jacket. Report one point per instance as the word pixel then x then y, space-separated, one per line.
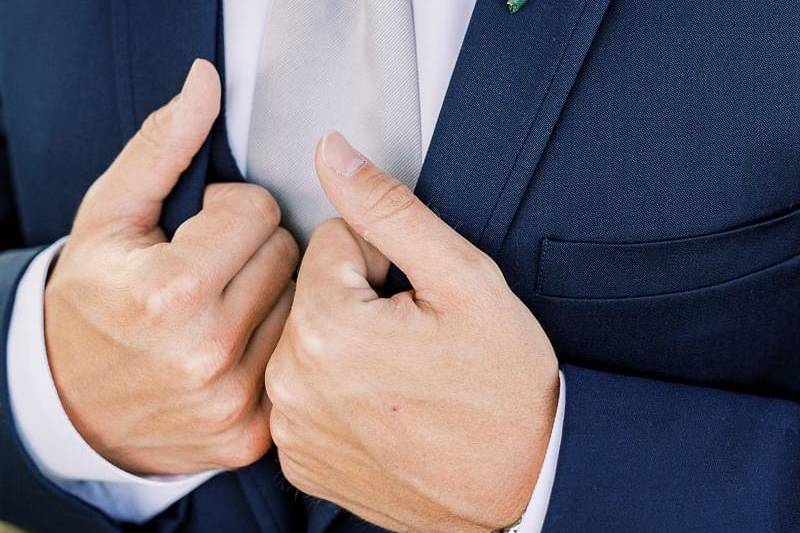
pixel 633 167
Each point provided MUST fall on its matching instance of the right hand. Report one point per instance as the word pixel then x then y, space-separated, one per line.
pixel 158 348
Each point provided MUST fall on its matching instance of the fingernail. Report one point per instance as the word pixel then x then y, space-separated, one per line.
pixel 340 156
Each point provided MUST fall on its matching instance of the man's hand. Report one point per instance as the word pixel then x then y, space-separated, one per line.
pixel 427 411
pixel 157 348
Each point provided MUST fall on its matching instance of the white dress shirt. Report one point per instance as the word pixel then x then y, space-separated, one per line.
pixel 49 437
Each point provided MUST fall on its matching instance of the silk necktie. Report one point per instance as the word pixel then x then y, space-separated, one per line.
pixel 348 65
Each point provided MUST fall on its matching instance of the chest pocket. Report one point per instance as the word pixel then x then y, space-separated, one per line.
pixel 719 309
pixel 571 269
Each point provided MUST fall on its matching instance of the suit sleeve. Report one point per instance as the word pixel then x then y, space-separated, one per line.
pixel 30 500
pixel 26 497
pixel 646 455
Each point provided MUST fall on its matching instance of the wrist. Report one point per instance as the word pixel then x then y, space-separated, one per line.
pixel 72 374
pixel 510 507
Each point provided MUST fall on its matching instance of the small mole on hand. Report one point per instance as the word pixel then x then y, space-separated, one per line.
pixel 394 407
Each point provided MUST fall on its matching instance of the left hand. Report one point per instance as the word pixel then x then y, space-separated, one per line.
pixel 427 411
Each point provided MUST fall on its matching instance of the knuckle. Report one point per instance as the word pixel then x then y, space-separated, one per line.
pixel 310 333
pixel 155 139
pixel 483 267
pixel 207 363
pixel 222 191
pixel 156 124
pixel 263 204
pixel 270 378
pixel 256 440
pixel 247 200
pixel 279 430
pixel 225 344
pixel 277 389
pixel 174 295
pixel 287 246
pixel 193 371
pixel 387 198
pixel 235 456
pixel 216 355
pixel 246 447
pixel 228 408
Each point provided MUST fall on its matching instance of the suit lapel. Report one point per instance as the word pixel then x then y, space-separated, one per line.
pixel 509 84
pixel 508 87
pixel 154 45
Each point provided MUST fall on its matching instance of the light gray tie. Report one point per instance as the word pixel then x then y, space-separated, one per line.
pixel 349 65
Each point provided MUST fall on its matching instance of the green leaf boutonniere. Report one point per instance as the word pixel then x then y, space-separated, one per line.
pixel 515 5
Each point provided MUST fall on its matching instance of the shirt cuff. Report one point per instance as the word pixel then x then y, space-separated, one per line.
pixel 533 519
pixel 47 434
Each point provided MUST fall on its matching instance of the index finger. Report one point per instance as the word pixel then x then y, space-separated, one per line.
pixel 339 265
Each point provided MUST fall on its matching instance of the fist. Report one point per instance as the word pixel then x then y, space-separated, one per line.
pixel 427 411
pixel 158 348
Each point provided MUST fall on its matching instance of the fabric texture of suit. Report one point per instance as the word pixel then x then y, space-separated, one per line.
pixel 632 166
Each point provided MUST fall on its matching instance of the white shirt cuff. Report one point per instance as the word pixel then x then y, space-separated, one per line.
pixel 55 446
pixel 533 519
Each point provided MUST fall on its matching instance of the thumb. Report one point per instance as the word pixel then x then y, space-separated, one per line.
pixel 134 187
pixel 388 215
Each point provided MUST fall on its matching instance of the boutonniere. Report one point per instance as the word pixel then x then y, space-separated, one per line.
pixel 515 5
